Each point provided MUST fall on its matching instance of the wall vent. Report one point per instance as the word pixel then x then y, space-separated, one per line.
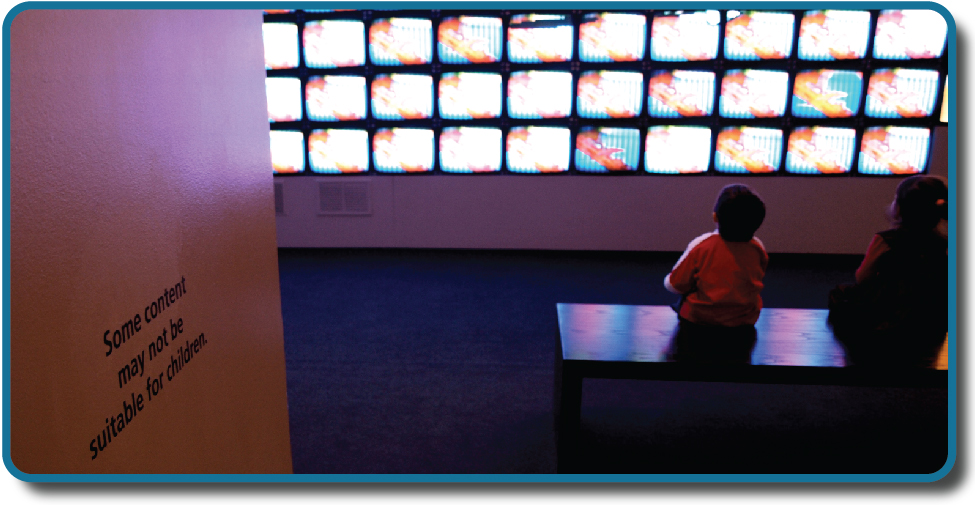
pixel 279 199
pixel 344 198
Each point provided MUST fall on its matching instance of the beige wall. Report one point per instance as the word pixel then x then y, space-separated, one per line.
pixel 579 212
pixel 139 157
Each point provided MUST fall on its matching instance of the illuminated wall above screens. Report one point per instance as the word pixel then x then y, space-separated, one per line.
pixel 468 150
pixel 607 94
pixel 540 38
pixel 901 92
pixel 758 35
pixel 469 39
pixel 607 149
pixel 606 37
pixel 820 150
pixel 827 93
pixel 834 35
pixel 287 151
pixel 401 41
pixel 338 151
pixel 680 93
pixel 469 95
pixel 399 150
pixel 909 34
pixel 894 150
pixel 677 149
pixel 280 45
pixel 743 149
pixel 536 94
pixel 336 98
pixel 685 36
pixel 334 43
pixel 537 149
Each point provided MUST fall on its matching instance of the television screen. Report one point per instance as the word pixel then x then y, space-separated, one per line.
pixel 287 151
pixel 680 93
pixel 470 150
pixel 283 98
pixel 827 93
pixel 397 150
pixel 758 35
pixel 334 43
pixel 537 94
pixel 470 95
pixel 909 34
pixel 944 104
pixel 820 150
pixel 469 39
pixel 401 41
pixel 607 149
pixel 280 45
pixel 338 151
pixel 605 37
pixel 834 35
pixel 902 92
pixel 754 93
pixel 538 149
pixel 742 150
pixel 685 36
pixel 539 38
pixel 606 94
pixel 402 96
pixel 336 98
pixel 677 149
pixel 893 150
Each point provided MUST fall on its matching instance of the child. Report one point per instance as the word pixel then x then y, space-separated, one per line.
pixel 900 300
pixel 719 277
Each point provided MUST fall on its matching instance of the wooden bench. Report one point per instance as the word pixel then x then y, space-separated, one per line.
pixel 792 346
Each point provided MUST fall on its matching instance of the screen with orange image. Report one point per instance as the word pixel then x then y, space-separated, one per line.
pixel 537 149
pixel 834 35
pixel 402 96
pixel 685 36
pixel 893 150
pixel 401 41
pixel 540 38
pixel 758 35
pixel 909 35
pixel 743 149
pixel 336 98
pixel 678 149
pixel 469 39
pixel 901 92
pixel 609 94
pixel 607 149
pixel 537 94
pixel 334 43
pixel 280 45
pixel 680 93
pixel 820 150
pixel 468 150
pixel 606 37
pixel 338 151
pixel 283 98
pixel 754 93
pixel 470 95
pixel 402 150
pixel 827 93
pixel 287 151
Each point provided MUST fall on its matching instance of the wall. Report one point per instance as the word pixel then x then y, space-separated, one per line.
pixel 139 159
pixel 658 213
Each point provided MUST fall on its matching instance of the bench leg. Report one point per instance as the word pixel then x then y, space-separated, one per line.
pixel 567 420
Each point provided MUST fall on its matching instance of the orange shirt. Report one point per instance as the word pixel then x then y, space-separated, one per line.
pixel 721 281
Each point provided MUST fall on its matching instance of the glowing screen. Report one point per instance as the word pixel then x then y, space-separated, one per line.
pixel 819 150
pixel 537 94
pixel 691 36
pixel 758 35
pixel 469 95
pixel 538 38
pixel 283 98
pixel 336 98
pixel 468 39
pixel 287 151
pixel 754 93
pixel 401 41
pixel 827 93
pixel 336 43
pixel 910 34
pixel 338 151
pixel 680 93
pixel 834 35
pixel 893 150
pixel 606 94
pixel 607 149
pixel 397 150
pixel 612 37
pixel 901 92
pixel 944 104
pixel 743 149
pixel 470 150
pixel 677 149
pixel 402 96
pixel 280 45
pixel 537 149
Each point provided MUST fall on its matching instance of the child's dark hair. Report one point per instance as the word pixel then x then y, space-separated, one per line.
pixel 921 201
pixel 740 212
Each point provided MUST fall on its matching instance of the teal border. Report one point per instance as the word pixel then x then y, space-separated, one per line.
pixel 498 478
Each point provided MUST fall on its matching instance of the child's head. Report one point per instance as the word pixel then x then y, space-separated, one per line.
pixel 739 212
pixel 920 202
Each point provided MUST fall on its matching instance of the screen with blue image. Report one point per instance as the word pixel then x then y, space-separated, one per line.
pixel 600 149
pixel 609 94
pixel 466 150
pixel 606 37
pixel 680 93
pixel 901 92
pixel 469 39
pixel 827 93
pixel 894 150
pixel 744 149
pixel 820 150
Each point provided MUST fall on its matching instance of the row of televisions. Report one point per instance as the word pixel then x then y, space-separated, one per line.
pixel 347 40
pixel 675 149
pixel 606 94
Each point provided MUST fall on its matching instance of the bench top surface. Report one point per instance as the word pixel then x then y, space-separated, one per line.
pixel 644 333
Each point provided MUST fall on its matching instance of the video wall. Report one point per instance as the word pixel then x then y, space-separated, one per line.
pixel 820 92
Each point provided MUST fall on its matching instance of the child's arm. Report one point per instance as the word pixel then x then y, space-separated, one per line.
pixel 876 248
pixel 682 279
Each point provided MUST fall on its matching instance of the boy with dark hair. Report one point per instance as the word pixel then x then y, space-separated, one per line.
pixel 719 277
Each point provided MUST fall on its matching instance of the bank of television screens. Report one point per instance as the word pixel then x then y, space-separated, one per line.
pixel 469 39
pixel 827 93
pixel 469 95
pixel 287 151
pixel 334 43
pixel 834 35
pixel 901 92
pixel 677 149
pixel 820 150
pixel 401 41
pixel 758 35
pixel 894 150
pixel 537 94
pixel 537 149
pixel 685 36
pixel 743 150
pixel 754 93
pixel 540 38
pixel 338 151
pixel 909 35
pixel 402 96
pixel 680 93
pixel 399 150
pixel 607 94
pixel 607 149
pixel 467 150
pixel 610 37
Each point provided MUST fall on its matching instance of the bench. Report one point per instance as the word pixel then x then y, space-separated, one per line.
pixel 791 346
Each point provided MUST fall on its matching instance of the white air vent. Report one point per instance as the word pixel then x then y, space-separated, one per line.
pixel 279 199
pixel 344 198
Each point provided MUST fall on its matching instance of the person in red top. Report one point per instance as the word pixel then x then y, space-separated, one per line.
pixel 719 276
